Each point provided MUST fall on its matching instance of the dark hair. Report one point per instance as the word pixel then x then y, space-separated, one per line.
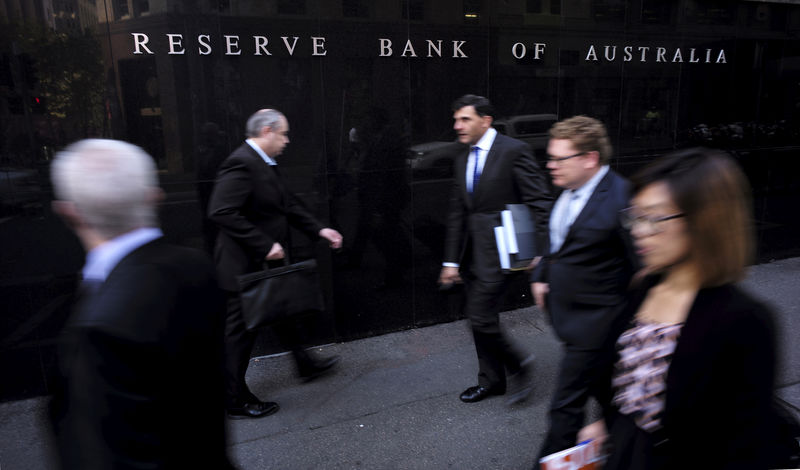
pixel 711 190
pixel 482 105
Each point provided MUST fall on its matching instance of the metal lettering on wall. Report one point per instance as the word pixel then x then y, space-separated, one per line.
pixel 232 46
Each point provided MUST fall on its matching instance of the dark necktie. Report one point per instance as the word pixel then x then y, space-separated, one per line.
pixel 476 173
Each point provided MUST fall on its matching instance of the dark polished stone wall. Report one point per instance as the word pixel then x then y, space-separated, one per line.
pixel 367 88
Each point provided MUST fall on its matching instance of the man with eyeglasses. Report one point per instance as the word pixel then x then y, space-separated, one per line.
pixel 581 280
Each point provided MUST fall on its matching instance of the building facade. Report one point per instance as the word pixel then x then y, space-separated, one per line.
pixel 367 88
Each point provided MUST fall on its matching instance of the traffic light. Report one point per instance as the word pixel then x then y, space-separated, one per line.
pixel 37 104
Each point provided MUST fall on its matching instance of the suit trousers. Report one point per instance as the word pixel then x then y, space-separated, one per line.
pixel 575 376
pixel 495 353
pixel 239 344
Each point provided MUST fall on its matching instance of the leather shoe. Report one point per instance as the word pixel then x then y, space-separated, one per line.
pixel 257 409
pixel 478 393
pixel 318 368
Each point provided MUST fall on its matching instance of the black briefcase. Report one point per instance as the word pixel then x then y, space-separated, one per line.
pixel 275 294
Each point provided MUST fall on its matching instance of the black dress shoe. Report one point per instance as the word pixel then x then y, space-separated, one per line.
pixel 317 368
pixel 257 409
pixel 478 393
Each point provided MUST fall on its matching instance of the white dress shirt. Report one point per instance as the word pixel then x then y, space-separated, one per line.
pixel 261 153
pixel 103 259
pixel 568 206
pixel 484 144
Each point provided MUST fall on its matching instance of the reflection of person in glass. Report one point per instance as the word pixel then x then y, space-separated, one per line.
pixel 495 171
pixel 383 194
pixel 210 154
pixel 691 362
pixel 254 211
pixel 142 353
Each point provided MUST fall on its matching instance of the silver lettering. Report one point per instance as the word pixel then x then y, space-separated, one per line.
pixel 435 48
pixel 515 48
pixel 140 40
pixel 289 48
pixel 661 54
pixel 628 53
pixel 408 48
pixel 319 46
pixel 261 45
pixel 613 56
pixel 232 45
pixel 591 55
pixel 175 41
pixel 386 47
pixel 538 50
pixel 457 52
pixel 207 45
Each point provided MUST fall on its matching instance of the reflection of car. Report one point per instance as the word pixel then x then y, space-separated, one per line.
pixel 435 159
pixel 530 128
pixel 18 187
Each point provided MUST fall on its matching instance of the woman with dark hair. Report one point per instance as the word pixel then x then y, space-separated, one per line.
pixel 690 372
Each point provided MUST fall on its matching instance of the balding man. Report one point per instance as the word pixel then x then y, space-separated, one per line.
pixel 254 210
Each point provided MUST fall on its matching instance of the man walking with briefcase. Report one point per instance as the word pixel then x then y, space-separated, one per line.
pixel 254 211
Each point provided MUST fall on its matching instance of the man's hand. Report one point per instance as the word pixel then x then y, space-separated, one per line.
pixel 594 432
pixel 540 291
pixel 534 262
pixel 276 252
pixel 449 276
pixel 334 238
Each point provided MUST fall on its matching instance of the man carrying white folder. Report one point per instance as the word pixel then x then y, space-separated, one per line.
pixel 496 170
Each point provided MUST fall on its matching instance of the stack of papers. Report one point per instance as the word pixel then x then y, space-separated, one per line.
pixel 585 456
pixel 516 238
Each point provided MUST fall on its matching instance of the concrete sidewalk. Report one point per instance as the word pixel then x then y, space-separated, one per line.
pixel 393 403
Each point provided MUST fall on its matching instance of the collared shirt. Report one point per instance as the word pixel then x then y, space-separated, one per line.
pixel 483 144
pixel 568 206
pixel 261 153
pixel 102 259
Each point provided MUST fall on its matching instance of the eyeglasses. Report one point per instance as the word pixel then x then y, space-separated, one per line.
pixel 561 159
pixel 630 219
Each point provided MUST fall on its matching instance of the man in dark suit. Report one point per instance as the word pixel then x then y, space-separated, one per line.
pixel 497 170
pixel 254 210
pixel 590 260
pixel 141 355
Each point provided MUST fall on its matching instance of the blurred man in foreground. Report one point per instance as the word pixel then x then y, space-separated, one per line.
pixel 141 356
pixel 583 277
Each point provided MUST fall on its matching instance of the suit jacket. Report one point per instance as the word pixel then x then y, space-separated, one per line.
pixel 141 367
pixel 510 176
pixel 589 274
pixel 719 386
pixel 254 209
